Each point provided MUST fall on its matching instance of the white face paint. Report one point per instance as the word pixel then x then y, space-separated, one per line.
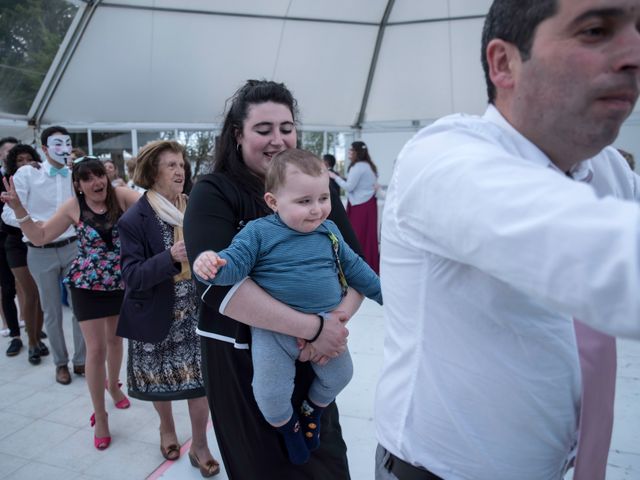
pixel 59 147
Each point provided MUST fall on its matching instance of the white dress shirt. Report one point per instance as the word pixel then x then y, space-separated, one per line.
pixel 360 184
pixel 488 251
pixel 41 194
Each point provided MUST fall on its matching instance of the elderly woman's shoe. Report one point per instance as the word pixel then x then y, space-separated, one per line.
pixel 171 451
pixel 208 469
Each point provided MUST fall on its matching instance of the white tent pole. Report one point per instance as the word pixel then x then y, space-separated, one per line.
pixel 374 62
pixel 90 141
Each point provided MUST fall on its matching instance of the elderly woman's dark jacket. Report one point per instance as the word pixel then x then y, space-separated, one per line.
pixel 147 270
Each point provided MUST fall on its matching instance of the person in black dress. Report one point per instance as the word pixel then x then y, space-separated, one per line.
pixel 260 123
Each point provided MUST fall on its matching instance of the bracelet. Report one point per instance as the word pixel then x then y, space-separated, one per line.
pixel 23 219
pixel 315 337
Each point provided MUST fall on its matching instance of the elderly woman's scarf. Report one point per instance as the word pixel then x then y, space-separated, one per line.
pixel 174 216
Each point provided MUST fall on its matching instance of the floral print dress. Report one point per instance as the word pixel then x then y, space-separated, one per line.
pixel 169 370
pixel 97 266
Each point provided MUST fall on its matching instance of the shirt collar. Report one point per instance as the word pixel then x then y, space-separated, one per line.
pixel 583 171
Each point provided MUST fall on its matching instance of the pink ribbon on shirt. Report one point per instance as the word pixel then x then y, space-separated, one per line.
pixel 598 366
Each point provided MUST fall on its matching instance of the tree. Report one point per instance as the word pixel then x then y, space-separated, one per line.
pixel 30 34
pixel 199 145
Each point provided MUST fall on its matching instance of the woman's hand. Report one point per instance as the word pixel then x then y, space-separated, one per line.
pixel 333 338
pixel 179 252
pixel 10 197
pixel 333 175
pixel 207 264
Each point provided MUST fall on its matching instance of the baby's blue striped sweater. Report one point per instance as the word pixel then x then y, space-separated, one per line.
pixel 298 269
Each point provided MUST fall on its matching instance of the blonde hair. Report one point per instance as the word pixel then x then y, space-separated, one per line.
pixel 305 161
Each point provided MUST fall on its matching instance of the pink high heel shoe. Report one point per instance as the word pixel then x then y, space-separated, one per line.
pixel 101 443
pixel 122 404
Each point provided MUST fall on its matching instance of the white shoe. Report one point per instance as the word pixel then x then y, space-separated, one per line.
pixel 5 332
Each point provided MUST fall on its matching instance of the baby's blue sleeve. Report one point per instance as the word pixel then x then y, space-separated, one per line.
pixel 241 256
pixel 358 273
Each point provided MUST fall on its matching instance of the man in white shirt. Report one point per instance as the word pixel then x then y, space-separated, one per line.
pixel 497 232
pixel 42 191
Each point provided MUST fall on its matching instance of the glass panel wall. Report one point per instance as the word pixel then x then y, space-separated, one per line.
pixel 200 146
pixel 145 137
pixel 80 140
pixel 114 146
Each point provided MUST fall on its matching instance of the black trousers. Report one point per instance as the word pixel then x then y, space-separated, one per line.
pixel 8 292
pixel 251 448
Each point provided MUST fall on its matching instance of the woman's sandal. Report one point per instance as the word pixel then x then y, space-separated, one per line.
pixel 208 469
pixel 171 451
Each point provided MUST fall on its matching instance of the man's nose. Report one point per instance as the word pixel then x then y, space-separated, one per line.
pixel 627 53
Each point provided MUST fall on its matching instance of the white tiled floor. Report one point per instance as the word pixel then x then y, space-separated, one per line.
pixel 45 433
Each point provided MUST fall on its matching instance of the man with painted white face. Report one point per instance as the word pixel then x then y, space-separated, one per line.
pixel 497 232
pixel 42 191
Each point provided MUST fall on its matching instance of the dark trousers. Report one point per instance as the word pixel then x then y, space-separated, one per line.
pixel 8 292
pixel 250 447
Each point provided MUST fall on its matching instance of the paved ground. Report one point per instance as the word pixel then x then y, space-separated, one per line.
pixel 45 433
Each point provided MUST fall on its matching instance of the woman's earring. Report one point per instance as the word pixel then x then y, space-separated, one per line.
pixel 238 147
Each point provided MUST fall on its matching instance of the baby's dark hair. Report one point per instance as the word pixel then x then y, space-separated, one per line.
pixel 305 161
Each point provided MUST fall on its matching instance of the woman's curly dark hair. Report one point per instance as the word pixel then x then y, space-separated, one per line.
pixel 12 157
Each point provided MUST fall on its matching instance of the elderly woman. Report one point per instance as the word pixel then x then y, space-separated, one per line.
pixel 94 277
pixel 159 313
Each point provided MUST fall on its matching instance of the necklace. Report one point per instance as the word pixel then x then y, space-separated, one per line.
pixel 98 211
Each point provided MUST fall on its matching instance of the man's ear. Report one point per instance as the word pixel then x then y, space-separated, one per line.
pixel 504 62
pixel 271 201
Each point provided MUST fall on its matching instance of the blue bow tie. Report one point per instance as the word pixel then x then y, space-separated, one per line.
pixel 64 171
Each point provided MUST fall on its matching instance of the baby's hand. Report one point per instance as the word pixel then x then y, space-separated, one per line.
pixel 207 264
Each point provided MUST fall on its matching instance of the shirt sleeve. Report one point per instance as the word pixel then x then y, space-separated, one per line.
pixel 353 177
pixel 241 257
pixel 358 273
pixel 210 223
pixel 526 225
pixel 139 270
pixel 21 184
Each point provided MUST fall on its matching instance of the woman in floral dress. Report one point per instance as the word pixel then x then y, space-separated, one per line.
pixel 94 277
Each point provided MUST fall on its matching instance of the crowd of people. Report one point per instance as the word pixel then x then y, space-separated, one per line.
pixel 507 266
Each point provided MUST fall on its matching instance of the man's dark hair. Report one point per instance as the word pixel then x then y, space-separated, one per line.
pixel 8 140
pixel 329 159
pixel 514 21
pixel 47 132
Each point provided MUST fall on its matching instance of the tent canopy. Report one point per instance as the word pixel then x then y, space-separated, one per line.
pixel 369 65
pixel 360 63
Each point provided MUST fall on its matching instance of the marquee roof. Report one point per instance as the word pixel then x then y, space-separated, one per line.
pixel 363 63
pixel 370 64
